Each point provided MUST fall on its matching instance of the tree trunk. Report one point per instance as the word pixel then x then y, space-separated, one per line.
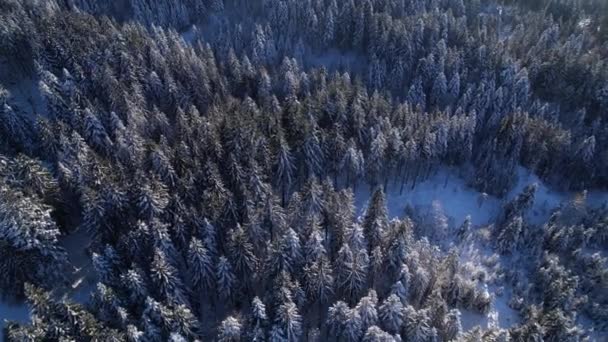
pixel 416 175
pixel 336 180
pixel 404 178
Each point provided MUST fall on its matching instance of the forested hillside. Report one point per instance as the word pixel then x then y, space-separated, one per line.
pixel 192 170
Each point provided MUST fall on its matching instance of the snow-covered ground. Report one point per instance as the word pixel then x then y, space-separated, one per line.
pixel 14 311
pixel 82 280
pixel 457 200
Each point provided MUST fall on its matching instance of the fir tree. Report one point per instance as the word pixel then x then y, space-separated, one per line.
pixel 391 314
pixel 230 330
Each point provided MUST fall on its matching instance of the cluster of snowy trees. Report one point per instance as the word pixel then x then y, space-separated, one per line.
pixel 216 176
pixel 569 275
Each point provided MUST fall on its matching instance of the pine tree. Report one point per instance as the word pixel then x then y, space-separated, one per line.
pixel 376 161
pixel 230 330
pixel 184 322
pixel 200 265
pixel 509 236
pixel 367 310
pixel 286 254
pixel 391 314
pixel 151 199
pixel 156 318
pixel 285 169
pixel 355 238
pixel 400 291
pixel 457 7
pixel 29 238
pixel 133 334
pixel 351 269
pixel 452 325
pixel 15 127
pixel 312 197
pixel 162 167
pixel 398 249
pixel 312 154
pixel 375 220
pixel 95 133
pixel 133 280
pixel 242 255
pixel 166 278
pixel 521 203
pixel 257 321
pixel 482 301
pixel 465 229
pixel 416 95
pixel 314 248
pixel 353 163
pixel 352 327
pixel 435 223
pixel 375 334
pixel 225 278
pixel 288 322
pixel 337 315
pixel 454 85
pixel 440 91
pixel 318 280
pixel 417 325
pixel 335 149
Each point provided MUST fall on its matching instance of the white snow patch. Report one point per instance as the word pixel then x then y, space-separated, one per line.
pixel 456 198
pixel 83 276
pixel 475 257
pixel 12 311
pixel 25 97
pixel 459 199
pixel 500 315
pixel 15 311
pixel 82 285
pixel 584 23
pixel 546 199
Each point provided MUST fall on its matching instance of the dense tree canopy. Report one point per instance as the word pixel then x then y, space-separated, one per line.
pixel 214 170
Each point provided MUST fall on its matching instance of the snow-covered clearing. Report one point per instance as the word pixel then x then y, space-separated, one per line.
pixel 457 200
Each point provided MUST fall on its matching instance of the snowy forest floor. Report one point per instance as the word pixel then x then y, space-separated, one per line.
pixel 446 188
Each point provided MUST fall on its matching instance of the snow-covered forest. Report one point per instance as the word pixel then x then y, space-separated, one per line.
pixel 304 170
